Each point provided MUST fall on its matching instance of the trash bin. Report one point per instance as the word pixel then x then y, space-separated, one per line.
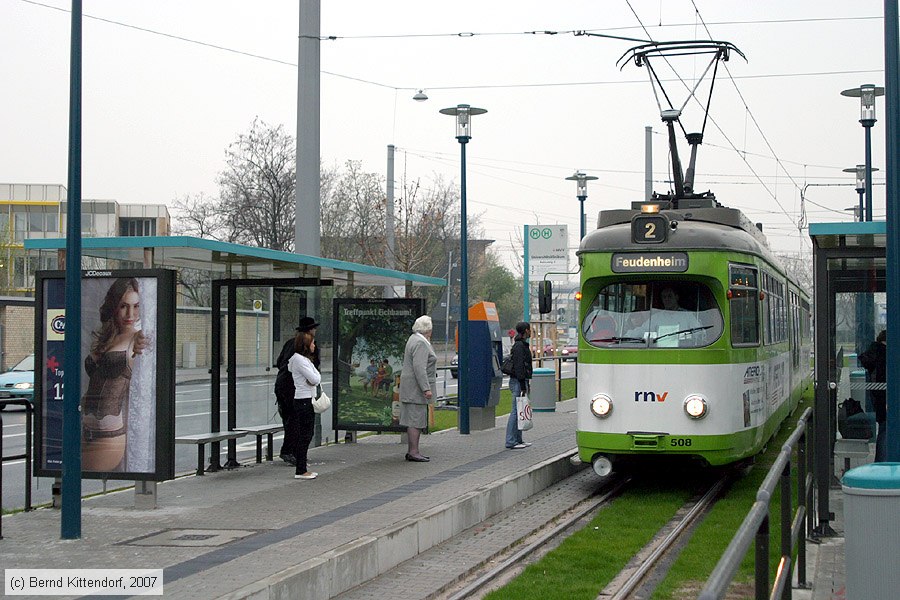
pixel 872 531
pixel 543 390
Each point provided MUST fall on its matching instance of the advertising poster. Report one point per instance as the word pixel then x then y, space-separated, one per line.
pixel 127 378
pixel 369 338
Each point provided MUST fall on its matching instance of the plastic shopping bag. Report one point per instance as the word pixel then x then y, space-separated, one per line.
pixel 523 412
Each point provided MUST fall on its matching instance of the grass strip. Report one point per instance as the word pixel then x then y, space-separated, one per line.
pixel 589 559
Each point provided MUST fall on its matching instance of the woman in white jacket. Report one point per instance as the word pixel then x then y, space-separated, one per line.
pixel 306 378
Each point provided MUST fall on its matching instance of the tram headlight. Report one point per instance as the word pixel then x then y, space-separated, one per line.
pixel 601 406
pixel 695 406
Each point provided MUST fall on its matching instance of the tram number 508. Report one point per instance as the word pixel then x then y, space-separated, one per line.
pixel 680 442
pixel 649 229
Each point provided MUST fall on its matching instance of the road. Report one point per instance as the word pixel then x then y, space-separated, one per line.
pixel 256 405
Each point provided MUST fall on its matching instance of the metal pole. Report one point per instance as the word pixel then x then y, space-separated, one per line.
pixel 867 126
pixel 892 175
pixel 581 200
pixel 526 300
pixel 648 162
pixel 307 187
pixel 71 434
pixel 447 319
pixel 462 392
pixel 389 220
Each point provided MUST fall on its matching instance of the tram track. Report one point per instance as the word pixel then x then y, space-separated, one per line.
pixel 642 573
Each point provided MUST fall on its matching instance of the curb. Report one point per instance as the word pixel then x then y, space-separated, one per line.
pixel 364 558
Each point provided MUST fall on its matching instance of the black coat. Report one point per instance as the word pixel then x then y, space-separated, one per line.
pixel 521 361
pixel 874 360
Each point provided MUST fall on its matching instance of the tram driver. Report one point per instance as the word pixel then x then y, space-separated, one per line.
pixel 664 326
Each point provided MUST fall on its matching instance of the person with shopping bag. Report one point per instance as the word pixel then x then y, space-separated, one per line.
pixel 519 384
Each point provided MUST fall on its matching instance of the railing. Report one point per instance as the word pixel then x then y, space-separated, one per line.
pixel 448 400
pixel 29 412
pixel 756 524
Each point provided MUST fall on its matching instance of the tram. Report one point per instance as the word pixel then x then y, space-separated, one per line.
pixel 694 342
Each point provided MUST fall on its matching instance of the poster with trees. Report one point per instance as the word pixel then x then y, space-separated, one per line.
pixel 369 339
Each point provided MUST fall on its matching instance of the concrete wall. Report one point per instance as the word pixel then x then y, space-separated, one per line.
pixel 17 323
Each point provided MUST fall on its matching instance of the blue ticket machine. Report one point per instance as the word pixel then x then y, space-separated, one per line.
pixel 484 358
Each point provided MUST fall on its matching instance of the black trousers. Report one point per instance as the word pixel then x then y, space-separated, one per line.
pixel 303 426
pixel 286 411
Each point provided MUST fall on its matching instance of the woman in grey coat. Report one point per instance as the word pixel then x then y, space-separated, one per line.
pixel 418 385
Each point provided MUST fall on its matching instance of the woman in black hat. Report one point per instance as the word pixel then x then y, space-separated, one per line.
pixel 284 389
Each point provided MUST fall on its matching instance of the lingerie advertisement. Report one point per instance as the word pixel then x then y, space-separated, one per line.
pixel 126 398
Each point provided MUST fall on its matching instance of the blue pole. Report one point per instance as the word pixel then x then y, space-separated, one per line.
pixel 868 128
pixel 71 435
pixel 892 180
pixel 463 393
pixel 526 313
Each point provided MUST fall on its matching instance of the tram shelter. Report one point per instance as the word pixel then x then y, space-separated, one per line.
pixel 211 272
pixel 850 308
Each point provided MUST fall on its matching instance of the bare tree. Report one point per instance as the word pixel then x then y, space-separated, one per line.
pixel 199 216
pixel 257 188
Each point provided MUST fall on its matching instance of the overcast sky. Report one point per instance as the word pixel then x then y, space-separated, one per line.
pixel 169 84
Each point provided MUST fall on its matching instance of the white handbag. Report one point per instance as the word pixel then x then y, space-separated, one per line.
pixel 322 403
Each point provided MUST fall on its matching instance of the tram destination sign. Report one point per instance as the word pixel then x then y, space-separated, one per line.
pixel 650 262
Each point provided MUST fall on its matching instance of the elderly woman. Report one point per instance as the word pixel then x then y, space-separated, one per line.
pixel 418 385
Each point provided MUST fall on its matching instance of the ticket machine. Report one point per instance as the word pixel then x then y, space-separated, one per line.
pixel 485 355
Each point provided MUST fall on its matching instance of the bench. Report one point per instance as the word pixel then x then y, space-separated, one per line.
pixel 849 448
pixel 201 439
pixel 259 431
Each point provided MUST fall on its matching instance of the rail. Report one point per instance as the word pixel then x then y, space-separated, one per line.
pixel 29 412
pixel 756 524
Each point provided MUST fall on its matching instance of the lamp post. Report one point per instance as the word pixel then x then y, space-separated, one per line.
pixel 581 180
pixel 463 114
pixel 866 94
pixel 860 172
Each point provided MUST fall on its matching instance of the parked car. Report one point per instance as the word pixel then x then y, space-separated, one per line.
pixel 549 350
pixel 569 352
pixel 18 382
pixel 454 366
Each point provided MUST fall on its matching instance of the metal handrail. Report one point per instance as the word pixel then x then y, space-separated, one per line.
pixel 29 412
pixel 756 524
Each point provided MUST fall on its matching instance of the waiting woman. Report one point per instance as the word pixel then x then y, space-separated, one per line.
pixel 306 378
pixel 418 385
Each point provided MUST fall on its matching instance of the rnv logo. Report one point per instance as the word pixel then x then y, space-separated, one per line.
pixel 650 396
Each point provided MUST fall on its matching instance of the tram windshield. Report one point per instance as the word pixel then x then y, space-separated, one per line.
pixel 653 314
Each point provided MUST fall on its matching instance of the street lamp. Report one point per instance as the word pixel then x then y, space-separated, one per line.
pixel 581 193
pixel 866 94
pixel 463 114
pixel 860 172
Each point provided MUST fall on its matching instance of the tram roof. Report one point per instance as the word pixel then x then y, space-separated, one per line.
pixel 234 260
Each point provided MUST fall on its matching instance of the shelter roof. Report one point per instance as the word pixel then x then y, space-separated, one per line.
pixel 864 234
pixel 223 259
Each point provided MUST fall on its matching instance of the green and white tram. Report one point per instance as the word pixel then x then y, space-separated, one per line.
pixel 693 341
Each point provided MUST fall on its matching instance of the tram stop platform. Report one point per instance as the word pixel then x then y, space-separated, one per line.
pixel 256 532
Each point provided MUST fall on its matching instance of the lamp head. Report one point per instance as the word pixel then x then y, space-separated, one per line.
pixel 463 114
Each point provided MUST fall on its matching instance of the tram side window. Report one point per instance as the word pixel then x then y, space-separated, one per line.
pixel 744 290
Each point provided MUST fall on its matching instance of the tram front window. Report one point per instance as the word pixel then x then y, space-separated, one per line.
pixel 653 314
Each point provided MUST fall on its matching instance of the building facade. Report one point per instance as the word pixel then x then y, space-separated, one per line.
pixel 39 211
